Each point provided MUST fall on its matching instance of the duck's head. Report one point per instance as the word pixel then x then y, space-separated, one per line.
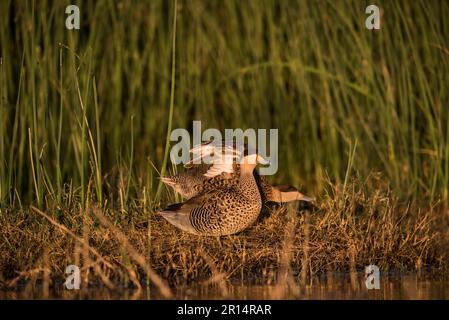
pixel 250 161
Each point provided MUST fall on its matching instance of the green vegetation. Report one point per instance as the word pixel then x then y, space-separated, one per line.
pixel 84 117
pixel 310 69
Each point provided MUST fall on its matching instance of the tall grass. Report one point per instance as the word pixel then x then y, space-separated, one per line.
pixel 81 109
pixel 172 102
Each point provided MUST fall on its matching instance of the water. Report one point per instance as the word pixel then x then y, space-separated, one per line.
pixel 334 287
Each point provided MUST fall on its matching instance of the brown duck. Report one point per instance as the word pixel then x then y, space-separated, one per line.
pixel 223 211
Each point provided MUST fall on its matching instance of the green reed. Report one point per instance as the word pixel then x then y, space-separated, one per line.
pixel 82 108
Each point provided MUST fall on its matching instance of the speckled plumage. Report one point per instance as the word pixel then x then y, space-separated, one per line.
pixel 221 211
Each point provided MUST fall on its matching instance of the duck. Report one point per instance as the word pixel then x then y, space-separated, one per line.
pixel 200 177
pixel 224 210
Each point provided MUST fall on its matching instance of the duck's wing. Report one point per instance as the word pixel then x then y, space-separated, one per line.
pixel 220 155
pixel 193 181
pixel 194 215
pixel 194 175
pixel 178 214
pixel 197 171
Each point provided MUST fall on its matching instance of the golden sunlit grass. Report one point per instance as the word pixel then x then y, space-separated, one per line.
pixel 348 230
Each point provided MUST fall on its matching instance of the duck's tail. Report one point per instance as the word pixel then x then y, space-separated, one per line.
pixel 179 219
pixel 168 181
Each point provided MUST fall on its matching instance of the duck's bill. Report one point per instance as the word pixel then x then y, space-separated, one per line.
pixel 262 160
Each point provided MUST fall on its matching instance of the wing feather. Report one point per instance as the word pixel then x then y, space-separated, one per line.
pixel 220 154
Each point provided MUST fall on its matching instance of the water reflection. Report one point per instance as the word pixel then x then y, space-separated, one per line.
pixel 331 286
